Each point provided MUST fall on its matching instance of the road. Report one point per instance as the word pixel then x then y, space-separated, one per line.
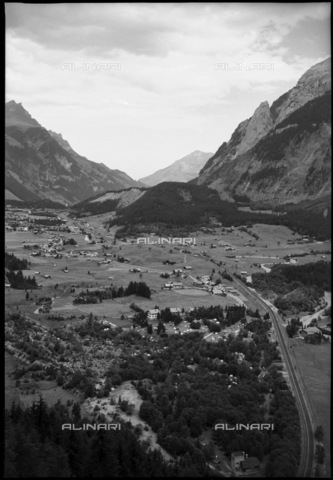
pixel 307 446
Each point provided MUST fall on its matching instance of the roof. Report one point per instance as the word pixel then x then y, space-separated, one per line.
pixel 250 462
pixel 154 310
pixel 237 454
pixel 312 330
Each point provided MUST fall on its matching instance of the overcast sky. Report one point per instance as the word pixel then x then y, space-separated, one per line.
pixel 140 85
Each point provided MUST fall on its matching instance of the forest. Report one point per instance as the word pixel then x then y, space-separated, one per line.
pixel 14 263
pixel 186 389
pixel 187 386
pixel 37 447
pixel 17 280
pixel 167 208
pixel 97 296
pixel 298 287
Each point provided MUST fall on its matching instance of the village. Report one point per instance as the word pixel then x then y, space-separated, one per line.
pixel 69 257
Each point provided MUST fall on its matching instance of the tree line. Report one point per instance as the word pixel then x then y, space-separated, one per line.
pixel 134 288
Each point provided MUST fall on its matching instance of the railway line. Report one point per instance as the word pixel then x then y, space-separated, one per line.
pixel 305 468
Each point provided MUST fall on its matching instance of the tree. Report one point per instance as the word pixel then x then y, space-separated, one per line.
pixel 27 296
pixel 319 434
pixel 320 454
pixel 76 412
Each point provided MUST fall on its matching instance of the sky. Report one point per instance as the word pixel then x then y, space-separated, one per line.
pixel 137 86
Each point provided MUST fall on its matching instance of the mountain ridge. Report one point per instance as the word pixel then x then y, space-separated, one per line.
pixel 282 151
pixel 41 164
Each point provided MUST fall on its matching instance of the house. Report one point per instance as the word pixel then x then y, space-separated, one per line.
pixel 177 270
pixel 152 314
pixel 176 311
pixel 250 465
pixel 217 291
pixel 168 285
pixel 187 267
pixel 236 459
pixel 178 285
pixel 312 330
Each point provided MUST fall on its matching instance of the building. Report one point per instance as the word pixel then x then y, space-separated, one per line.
pixel 218 291
pixel 312 330
pixel 152 314
pixel 250 465
pixel 236 459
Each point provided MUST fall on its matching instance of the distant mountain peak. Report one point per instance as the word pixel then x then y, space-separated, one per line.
pixel 182 170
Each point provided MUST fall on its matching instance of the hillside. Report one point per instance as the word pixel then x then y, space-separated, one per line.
pixel 180 208
pixel 40 164
pixel 107 202
pixel 282 153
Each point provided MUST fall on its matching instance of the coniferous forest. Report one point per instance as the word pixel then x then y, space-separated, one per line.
pixel 36 446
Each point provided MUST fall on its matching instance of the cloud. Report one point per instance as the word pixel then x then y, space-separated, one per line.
pixel 167 81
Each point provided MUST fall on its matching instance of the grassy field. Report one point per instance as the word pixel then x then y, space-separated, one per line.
pixel 314 365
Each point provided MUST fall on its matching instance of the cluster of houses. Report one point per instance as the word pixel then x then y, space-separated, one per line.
pixel 153 313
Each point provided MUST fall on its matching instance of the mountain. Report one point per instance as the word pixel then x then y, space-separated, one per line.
pixel 182 170
pixel 40 164
pixel 176 208
pixel 282 153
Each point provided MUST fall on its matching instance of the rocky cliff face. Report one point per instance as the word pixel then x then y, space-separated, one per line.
pixel 40 164
pixel 182 170
pixel 282 153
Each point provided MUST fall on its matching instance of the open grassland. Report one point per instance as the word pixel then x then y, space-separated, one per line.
pixel 88 272
pixel 314 365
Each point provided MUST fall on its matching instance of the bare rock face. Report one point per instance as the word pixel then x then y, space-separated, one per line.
pixel 40 164
pixel 62 142
pixel 314 83
pixel 282 152
pixel 259 125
